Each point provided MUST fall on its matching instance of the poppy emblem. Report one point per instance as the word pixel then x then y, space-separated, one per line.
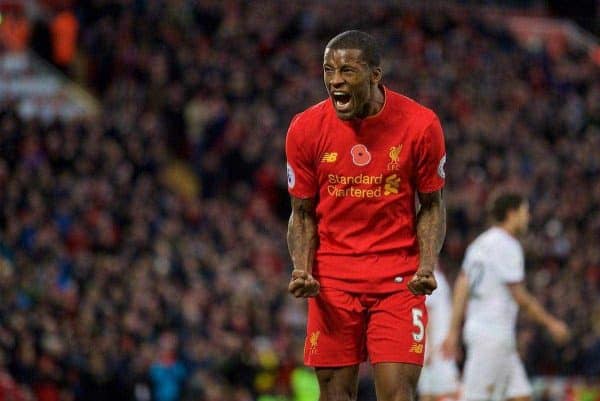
pixel 360 155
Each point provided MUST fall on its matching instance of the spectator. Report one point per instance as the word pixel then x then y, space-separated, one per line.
pixel 64 28
pixel 15 28
pixel 167 372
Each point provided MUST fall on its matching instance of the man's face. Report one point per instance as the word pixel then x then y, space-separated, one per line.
pixel 522 217
pixel 349 81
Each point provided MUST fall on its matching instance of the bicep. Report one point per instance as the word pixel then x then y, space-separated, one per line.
pixel 303 206
pixel 428 199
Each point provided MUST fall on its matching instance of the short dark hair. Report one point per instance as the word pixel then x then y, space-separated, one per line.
pixel 367 44
pixel 503 203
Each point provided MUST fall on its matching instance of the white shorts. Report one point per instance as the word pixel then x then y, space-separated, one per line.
pixel 493 372
pixel 438 377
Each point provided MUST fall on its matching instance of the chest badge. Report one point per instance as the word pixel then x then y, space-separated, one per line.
pixel 360 155
pixel 394 156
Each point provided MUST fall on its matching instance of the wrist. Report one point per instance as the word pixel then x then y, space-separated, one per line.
pixel 452 334
pixel 425 268
pixel 300 273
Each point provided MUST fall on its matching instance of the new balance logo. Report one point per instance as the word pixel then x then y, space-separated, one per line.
pixel 329 157
pixel 416 348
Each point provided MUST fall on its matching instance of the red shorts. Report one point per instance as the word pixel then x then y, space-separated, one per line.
pixel 344 328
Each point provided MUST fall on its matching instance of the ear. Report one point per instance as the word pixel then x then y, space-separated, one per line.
pixel 376 75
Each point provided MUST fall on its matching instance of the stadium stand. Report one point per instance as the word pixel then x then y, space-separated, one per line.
pixel 142 251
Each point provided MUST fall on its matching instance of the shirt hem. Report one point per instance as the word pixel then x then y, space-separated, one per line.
pixel 434 188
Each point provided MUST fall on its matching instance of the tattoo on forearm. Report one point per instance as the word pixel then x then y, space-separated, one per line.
pixel 431 230
pixel 302 234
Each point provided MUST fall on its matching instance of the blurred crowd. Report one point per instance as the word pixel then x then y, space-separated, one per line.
pixel 143 255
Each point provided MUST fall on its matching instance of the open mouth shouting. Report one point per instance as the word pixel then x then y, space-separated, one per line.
pixel 342 101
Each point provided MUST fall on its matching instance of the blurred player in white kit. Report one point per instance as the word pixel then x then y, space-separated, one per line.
pixel 490 288
pixel 439 376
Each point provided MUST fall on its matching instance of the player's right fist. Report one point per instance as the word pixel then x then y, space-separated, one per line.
pixel 303 284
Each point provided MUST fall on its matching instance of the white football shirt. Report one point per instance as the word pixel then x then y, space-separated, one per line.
pixel 439 311
pixel 492 261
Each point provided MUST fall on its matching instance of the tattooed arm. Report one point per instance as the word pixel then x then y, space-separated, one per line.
pixel 302 244
pixel 431 230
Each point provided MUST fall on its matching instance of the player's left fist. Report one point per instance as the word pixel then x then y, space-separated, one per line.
pixel 422 283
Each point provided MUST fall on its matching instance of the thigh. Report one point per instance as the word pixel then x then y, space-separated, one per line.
pixel 338 384
pixel 335 330
pixel 396 381
pixel 438 378
pixel 486 372
pixel 396 328
pixel 518 383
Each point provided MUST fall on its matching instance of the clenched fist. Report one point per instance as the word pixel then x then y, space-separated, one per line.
pixel 422 283
pixel 303 284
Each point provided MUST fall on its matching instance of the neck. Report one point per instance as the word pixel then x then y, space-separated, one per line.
pixel 509 228
pixel 376 102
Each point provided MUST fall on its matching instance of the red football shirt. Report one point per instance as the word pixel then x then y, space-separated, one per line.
pixel 364 175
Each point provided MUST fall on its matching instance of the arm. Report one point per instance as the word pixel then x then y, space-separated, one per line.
pixel 302 244
pixel 431 230
pixel 459 305
pixel 558 329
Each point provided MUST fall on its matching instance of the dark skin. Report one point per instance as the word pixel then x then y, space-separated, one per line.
pixel 345 71
pixel 431 230
pixel 355 91
pixel 302 244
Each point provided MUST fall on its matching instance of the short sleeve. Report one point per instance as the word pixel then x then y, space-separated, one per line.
pixel 301 177
pixel 431 158
pixel 511 264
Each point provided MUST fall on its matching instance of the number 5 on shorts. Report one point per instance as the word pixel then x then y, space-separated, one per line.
pixel 417 315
